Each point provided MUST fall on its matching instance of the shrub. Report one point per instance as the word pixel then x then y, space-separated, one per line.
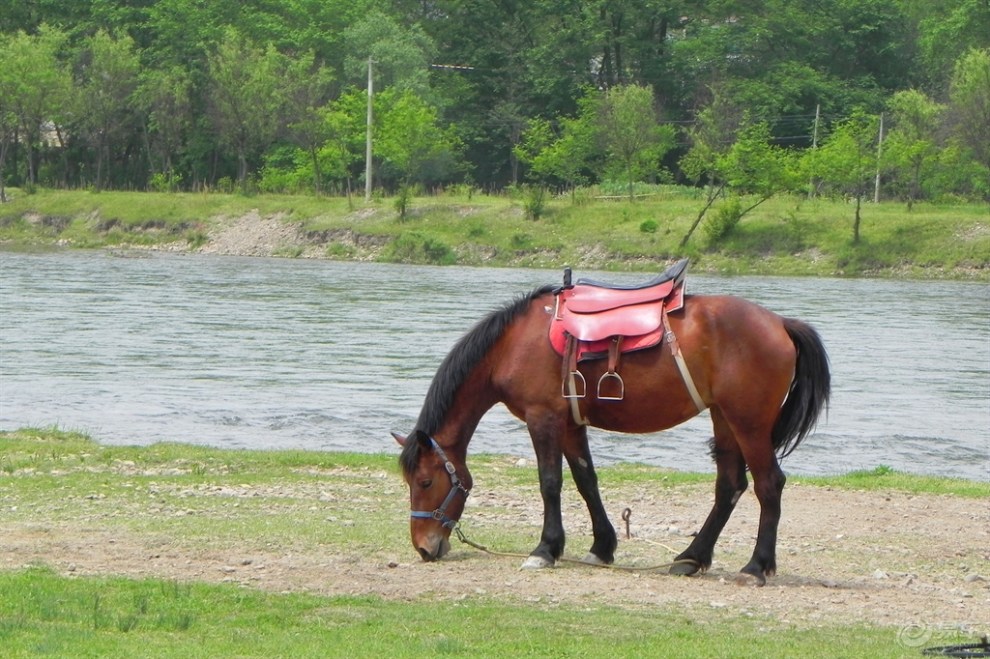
pixel 720 224
pixel 535 201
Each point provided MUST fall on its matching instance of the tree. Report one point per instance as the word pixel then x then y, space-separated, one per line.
pixel 109 78
pixel 633 140
pixel 246 98
pixel 307 91
pixel 565 155
pixel 8 118
pixel 969 109
pixel 713 132
pixel 401 54
pixel 41 87
pixel 847 161
pixel 344 121
pixel 755 166
pixel 911 143
pixel 410 141
pixel 164 99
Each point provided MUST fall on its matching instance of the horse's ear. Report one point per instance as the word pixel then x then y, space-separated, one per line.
pixel 401 439
pixel 423 439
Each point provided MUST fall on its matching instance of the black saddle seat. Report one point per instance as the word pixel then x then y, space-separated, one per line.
pixel 674 272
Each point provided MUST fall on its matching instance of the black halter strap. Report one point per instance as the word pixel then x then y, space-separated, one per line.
pixel 440 514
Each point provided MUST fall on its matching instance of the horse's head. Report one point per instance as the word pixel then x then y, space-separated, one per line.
pixel 438 488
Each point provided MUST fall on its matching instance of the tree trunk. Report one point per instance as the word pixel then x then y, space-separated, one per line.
pixel 712 196
pixel 859 200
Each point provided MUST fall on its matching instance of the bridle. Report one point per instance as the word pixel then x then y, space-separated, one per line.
pixel 440 514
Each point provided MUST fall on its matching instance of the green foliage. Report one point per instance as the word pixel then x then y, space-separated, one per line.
pixel 45 613
pixel 648 226
pixel 535 201
pixel 414 247
pixel 402 200
pixel 721 223
pixel 412 144
pixel 290 505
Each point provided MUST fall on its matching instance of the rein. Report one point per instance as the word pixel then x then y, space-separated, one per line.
pixel 575 561
pixel 440 514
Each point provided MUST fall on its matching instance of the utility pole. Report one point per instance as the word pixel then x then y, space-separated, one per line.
pixel 814 145
pixel 876 185
pixel 367 145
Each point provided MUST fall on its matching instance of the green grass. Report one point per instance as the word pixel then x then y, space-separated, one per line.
pixel 885 478
pixel 238 502
pixel 787 235
pixel 43 614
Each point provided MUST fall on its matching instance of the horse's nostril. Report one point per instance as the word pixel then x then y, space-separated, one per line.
pixel 427 556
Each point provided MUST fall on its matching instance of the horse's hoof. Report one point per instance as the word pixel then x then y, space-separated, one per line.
pixel 535 563
pixel 685 569
pixel 591 559
pixel 747 579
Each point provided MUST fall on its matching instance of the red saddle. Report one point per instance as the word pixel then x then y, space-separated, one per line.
pixel 594 320
pixel 594 313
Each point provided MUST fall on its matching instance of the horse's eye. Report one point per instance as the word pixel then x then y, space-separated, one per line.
pixel 425 484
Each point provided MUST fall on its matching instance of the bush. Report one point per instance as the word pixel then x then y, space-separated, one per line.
pixel 413 247
pixel 535 201
pixel 649 226
pixel 720 224
pixel 402 200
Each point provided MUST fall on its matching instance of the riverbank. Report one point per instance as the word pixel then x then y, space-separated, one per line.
pixel 903 556
pixel 785 236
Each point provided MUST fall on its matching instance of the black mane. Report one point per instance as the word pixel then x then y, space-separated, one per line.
pixel 457 365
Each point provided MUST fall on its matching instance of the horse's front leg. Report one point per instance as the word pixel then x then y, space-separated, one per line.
pixel 548 461
pixel 583 471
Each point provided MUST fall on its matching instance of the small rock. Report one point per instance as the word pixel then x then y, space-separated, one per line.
pixel 521 462
pixel 880 574
pixel 973 578
pixel 393 564
pixel 717 605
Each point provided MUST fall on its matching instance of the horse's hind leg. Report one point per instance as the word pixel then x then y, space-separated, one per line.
pixel 583 471
pixel 730 483
pixel 768 483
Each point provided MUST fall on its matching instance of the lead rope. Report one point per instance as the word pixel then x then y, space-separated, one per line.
pixel 563 559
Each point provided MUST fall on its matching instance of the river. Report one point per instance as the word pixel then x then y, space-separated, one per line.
pixel 136 348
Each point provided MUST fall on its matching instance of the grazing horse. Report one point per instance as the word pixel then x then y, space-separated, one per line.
pixel 765 379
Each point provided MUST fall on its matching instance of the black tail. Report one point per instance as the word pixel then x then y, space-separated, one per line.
pixel 809 392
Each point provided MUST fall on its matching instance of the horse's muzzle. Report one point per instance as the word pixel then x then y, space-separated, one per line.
pixel 435 548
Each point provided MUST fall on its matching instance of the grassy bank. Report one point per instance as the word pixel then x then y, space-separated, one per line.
pixel 174 501
pixel 784 236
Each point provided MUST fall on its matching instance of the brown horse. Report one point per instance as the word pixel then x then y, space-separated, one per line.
pixel 765 379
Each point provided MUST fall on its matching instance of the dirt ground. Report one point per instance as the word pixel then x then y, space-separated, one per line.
pixel 918 563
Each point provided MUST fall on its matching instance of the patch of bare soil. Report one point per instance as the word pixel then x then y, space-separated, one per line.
pixel 918 563
pixel 254 235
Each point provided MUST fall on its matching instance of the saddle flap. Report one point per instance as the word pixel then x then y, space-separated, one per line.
pixel 623 321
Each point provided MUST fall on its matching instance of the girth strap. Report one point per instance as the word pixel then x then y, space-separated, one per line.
pixel 675 350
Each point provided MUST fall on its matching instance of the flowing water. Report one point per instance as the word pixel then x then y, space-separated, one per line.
pixel 275 353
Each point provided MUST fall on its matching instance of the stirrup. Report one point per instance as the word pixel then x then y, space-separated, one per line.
pixel 571 380
pixel 611 376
